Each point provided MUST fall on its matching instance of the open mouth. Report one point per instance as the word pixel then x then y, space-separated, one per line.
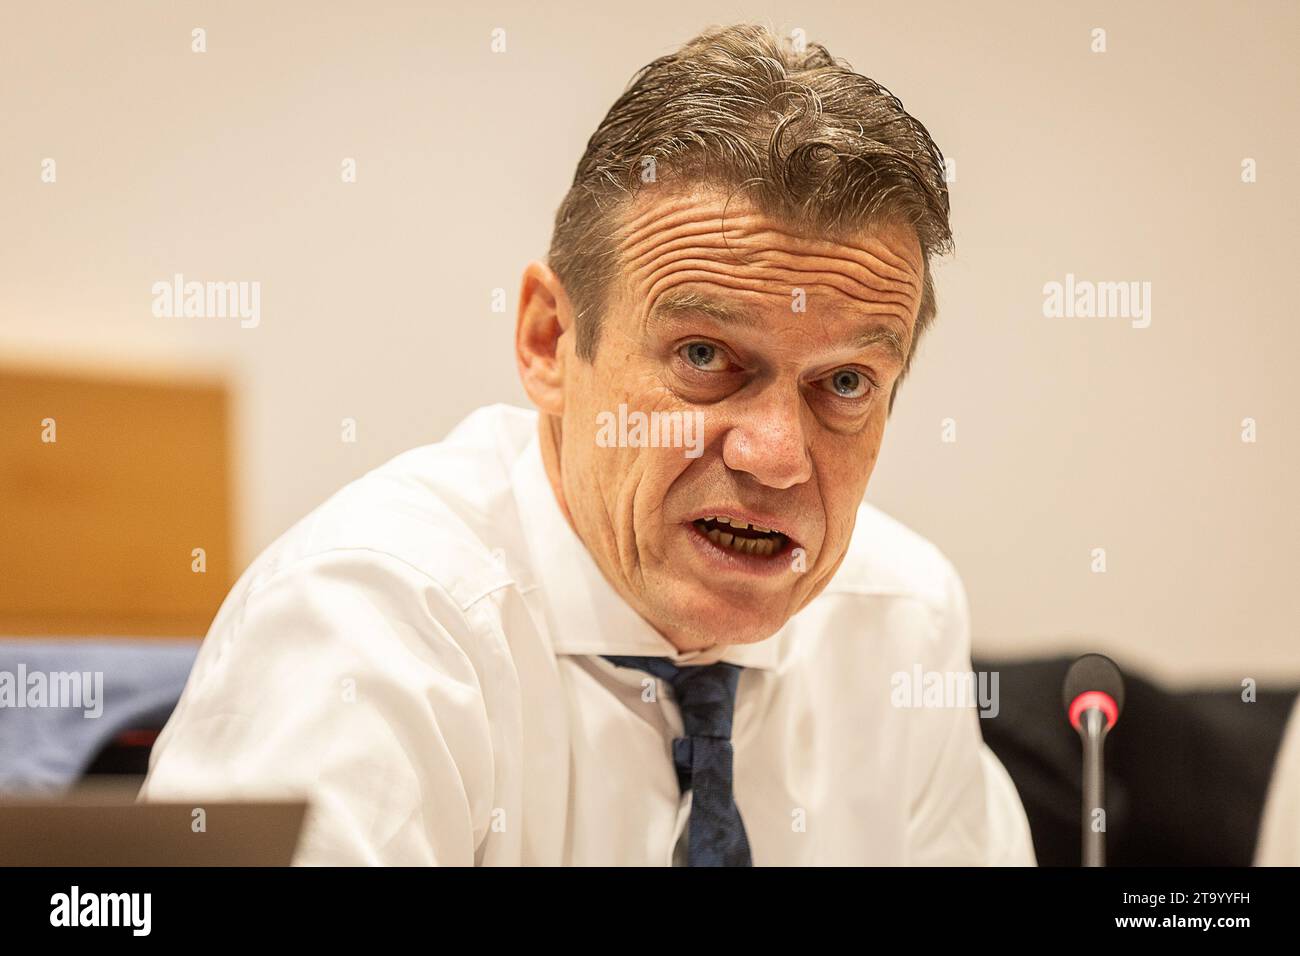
pixel 732 534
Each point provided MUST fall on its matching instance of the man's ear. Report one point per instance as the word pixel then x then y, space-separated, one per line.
pixel 545 318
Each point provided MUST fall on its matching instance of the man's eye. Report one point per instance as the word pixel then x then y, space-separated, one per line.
pixel 702 355
pixel 847 383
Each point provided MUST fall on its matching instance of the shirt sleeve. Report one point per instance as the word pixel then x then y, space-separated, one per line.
pixel 1279 833
pixel 966 810
pixel 352 679
pixel 1009 840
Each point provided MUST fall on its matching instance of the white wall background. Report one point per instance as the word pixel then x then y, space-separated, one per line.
pixel 1072 434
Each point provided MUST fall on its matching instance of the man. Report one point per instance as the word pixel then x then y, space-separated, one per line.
pixel 653 622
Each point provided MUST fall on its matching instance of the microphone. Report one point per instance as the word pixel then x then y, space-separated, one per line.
pixel 1093 696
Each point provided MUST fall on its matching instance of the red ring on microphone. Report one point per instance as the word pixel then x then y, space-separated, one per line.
pixel 1094 698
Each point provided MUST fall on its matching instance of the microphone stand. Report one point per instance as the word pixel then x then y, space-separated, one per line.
pixel 1093 728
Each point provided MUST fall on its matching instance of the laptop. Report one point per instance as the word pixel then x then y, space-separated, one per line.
pixel 90 832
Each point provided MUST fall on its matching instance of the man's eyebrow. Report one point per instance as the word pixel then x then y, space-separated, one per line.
pixel 887 336
pixel 680 302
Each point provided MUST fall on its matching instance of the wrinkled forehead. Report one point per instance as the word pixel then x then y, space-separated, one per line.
pixel 704 234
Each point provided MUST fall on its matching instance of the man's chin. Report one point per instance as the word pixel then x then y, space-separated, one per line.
pixel 707 617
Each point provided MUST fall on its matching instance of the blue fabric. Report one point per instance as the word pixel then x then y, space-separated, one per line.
pixel 48 748
pixel 706 696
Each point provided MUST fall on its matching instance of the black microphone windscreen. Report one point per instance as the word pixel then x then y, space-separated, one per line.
pixel 1093 672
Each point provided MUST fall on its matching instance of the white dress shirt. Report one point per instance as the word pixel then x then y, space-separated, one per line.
pixel 1278 843
pixel 420 657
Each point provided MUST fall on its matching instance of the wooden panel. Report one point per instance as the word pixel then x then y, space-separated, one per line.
pixel 97 528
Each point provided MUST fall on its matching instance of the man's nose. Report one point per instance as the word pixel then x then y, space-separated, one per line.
pixel 767 439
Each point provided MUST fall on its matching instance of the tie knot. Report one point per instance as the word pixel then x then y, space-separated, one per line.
pixel 705 694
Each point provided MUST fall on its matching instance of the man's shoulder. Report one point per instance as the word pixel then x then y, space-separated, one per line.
pixel 440 510
pixel 886 558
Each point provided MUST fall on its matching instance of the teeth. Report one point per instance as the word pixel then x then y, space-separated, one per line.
pixel 762 547
pixel 737 523
pixel 734 522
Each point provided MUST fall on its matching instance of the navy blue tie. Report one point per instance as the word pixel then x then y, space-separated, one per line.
pixel 706 696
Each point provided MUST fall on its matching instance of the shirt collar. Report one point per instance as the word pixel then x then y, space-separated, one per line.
pixel 584 614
